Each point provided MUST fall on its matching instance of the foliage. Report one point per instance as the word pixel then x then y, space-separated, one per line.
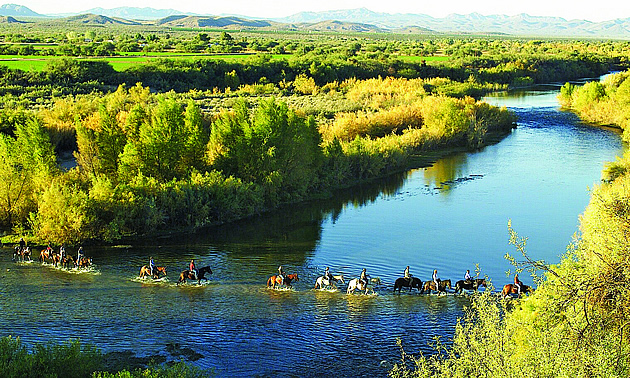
pixel 47 360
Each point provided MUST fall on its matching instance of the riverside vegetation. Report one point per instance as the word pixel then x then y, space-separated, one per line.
pixel 174 145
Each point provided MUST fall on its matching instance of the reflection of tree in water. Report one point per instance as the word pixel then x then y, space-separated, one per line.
pixel 445 171
pixel 287 236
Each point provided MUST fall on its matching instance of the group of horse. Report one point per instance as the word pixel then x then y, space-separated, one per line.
pixel 66 261
pixel 427 287
pixel 21 254
pixel 160 272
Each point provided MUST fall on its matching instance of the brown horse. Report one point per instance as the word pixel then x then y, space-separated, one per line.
pixel 275 281
pixel 67 262
pixel 470 284
pixel 146 272
pixel 512 289
pixel 85 262
pixel 201 275
pixel 45 254
pixel 430 286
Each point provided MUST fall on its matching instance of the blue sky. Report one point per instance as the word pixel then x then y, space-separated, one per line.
pixel 602 10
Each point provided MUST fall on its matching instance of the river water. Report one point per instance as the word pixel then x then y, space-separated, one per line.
pixel 451 217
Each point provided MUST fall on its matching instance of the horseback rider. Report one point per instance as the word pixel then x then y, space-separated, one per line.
pixel 517 283
pixel 364 277
pixel 22 244
pixel 280 274
pixel 62 252
pixel 151 265
pixel 328 276
pixel 435 279
pixel 467 277
pixel 79 255
pixel 193 268
pixel 407 275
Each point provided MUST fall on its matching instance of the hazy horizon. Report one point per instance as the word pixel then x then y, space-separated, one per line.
pixel 606 11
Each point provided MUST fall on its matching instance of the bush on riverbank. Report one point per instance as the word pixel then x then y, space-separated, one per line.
pixel 75 360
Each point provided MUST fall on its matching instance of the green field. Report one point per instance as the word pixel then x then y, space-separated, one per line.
pixel 120 63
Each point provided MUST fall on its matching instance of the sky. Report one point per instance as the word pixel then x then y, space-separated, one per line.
pixel 602 10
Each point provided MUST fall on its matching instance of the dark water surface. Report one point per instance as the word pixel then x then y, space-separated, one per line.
pixel 448 217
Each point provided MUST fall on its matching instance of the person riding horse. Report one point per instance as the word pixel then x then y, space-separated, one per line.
pixel 80 255
pixel 435 278
pixel 151 266
pixel 406 274
pixel 518 283
pixel 467 277
pixel 280 274
pixel 193 268
pixel 327 275
pixel 364 277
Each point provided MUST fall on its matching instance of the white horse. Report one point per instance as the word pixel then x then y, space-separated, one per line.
pixel 355 284
pixel 322 282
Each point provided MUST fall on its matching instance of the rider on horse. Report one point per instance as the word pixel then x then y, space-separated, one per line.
pixel 80 255
pixel 406 274
pixel 327 275
pixel 517 283
pixel 62 252
pixel 193 268
pixel 151 265
pixel 435 279
pixel 280 274
pixel 364 277
pixel 467 277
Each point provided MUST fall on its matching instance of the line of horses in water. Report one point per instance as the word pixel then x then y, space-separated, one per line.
pixel 411 283
pixel 24 254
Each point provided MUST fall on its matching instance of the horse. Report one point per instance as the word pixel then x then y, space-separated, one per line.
pixel 322 281
pixel 67 262
pixel 512 289
pixel 56 259
pixel 44 255
pixel 411 282
pixel 469 285
pixel 86 262
pixel 442 285
pixel 355 284
pixel 21 254
pixel 146 272
pixel 274 280
pixel 187 274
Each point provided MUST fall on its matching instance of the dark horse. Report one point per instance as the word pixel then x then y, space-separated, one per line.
pixel 188 275
pixel 442 285
pixel 469 285
pixel 512 289
pixel 412 282
pixel 275 281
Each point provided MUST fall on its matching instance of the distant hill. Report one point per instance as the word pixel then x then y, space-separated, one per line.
pixel 95 19
pixel 135 13
pixel 475 23
pixel 9 20
pixel 355 20
pixel 333 25
pixel 17 10
pixel 213 22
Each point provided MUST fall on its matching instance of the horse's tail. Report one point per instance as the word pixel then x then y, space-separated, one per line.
pixel 316 284
pixel 269 281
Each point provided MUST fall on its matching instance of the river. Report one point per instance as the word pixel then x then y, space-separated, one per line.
pixel 451 217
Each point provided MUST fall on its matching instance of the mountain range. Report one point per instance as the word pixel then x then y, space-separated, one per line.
pixel 355 20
